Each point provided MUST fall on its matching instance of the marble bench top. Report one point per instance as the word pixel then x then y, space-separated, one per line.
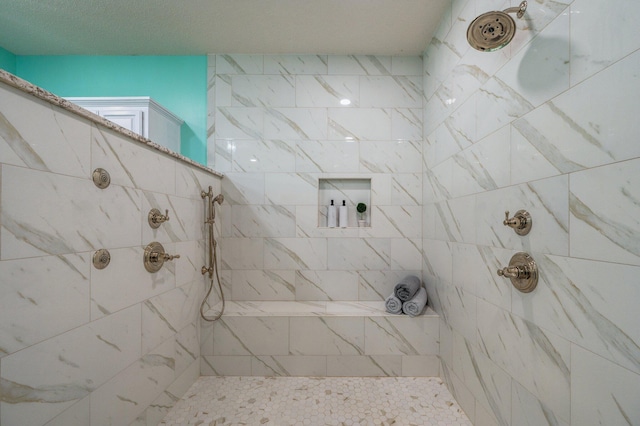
pixel 310 308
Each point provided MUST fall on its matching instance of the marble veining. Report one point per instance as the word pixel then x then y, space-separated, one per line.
pixel 80 345
pixel 20 146
pixel 49 97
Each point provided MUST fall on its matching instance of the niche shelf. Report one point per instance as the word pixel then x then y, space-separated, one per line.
pixel 352 190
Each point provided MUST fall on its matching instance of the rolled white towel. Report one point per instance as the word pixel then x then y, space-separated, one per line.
pixel 393 305
pixel 415 306
pixel 407 288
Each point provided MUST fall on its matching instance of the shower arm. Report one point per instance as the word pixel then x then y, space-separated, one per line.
pixel 518 9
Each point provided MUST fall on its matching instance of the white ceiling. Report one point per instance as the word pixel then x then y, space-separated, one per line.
pixel 196 27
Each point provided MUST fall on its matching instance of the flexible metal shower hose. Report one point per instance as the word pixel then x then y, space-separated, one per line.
pixel 213 265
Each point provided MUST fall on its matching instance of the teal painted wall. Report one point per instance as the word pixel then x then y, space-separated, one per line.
pixel 7 61
pixel 179 83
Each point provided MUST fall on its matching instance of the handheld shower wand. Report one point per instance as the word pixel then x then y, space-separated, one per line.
pixel 212 252
pixel 211 216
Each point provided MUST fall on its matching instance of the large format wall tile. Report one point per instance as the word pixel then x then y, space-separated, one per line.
pixel 360 65
pixel 43 380
pixel 242 253
pixel 295 64
pixel 546 124
pixel 191 181
pixel 327 156
pixel 326 285
pixel 375 365
pixel 295 253
pixel 540 71
pixel 239 122
pixel 58 143
pixel 237 64
pixel 394 222
pixel 527 410
pixel 376 136
pixel 163 403
pixel 359 123
pixel 484 166
pixel 458 307
pixel 82 345
pixel 503 101
pixel 401 334
pixel 189 268
pixel 186 218
pixel 126 395
pixel 295 123
pixel 249 335
pixel 474 269
pixel 289 366
pixel 166 314
pixel 265 155
pixel 42 297
pixel 44 213
pixel 490 385
pixel 327 90
pixel 593 54
pixel 406 124
pixel 589 303
pixel 244 188
pixel 572 132
pixel 359 254
pixel 546 201
pixel 601 391
pixel 604 220
pixel 263 285
pixel 327 335
pixel 263 221
pixel 78 414
pixel 537 359
pixel 291 189
pixel 131 165
pixel 127 282
pixel 390 157
pixel 263 90
pixel 396 92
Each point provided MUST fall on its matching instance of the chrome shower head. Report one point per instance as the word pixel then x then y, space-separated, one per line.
pixel 219 199
pixel 494 30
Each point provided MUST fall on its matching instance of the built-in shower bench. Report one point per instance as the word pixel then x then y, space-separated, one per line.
pixel 319 338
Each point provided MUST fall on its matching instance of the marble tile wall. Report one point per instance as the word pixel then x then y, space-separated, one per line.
pixel 277 126
pixel 78 345
pixel 547 124
pixel 314 339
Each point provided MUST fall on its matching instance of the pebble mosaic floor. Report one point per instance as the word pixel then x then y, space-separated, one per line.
pixel 316 401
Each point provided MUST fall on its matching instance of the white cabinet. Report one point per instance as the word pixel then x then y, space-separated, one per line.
pixel 140 114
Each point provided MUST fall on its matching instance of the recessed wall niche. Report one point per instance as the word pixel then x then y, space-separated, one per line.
pixel 352 191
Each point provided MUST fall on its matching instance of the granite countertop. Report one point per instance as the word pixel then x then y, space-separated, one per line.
pixel 44 95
